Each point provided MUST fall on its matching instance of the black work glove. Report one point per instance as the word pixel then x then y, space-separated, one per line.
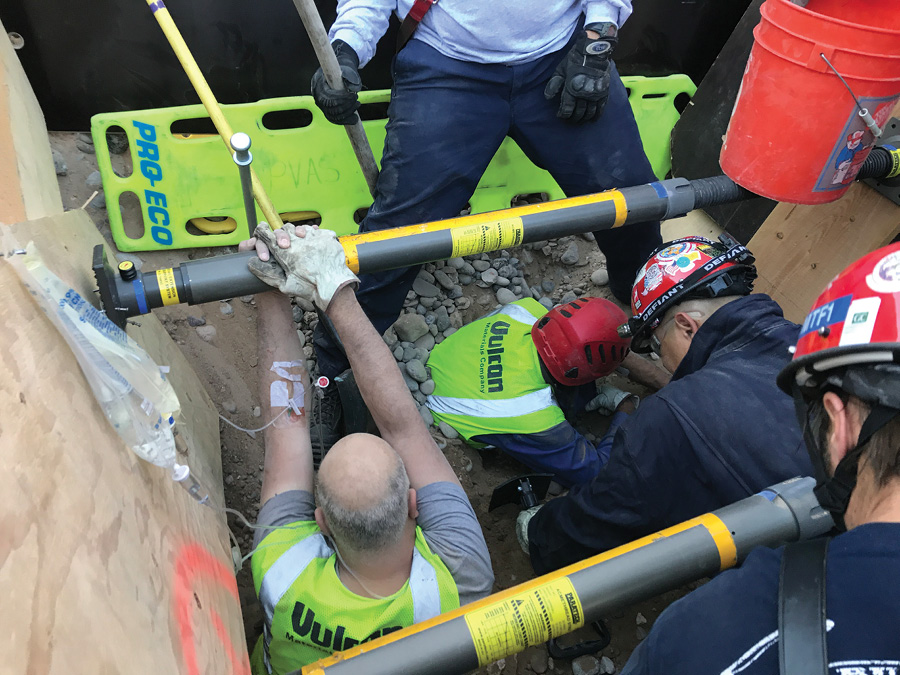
pixel 583 75
pixel 339 106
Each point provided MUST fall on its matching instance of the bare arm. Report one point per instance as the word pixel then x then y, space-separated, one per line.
pixel 288 464
pixel 386 394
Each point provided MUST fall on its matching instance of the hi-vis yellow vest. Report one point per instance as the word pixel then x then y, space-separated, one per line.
pixel 309 613
pixel 488 379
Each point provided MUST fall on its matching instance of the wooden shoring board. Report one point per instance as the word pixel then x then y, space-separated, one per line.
pixel 28 187
pixel 106 564
pixel 800 249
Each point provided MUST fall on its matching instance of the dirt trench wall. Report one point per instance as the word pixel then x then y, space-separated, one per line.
pixel 106 565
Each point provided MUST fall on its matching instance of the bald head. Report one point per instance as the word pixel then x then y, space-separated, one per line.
pixel 363 491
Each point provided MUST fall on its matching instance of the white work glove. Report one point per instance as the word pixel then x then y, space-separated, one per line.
pixel 609 398
pixel 311 265
pixel 522 526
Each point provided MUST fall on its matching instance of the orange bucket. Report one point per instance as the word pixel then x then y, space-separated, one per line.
pixel 795 134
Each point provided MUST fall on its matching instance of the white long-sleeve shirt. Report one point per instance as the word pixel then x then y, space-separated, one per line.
pixel 504 31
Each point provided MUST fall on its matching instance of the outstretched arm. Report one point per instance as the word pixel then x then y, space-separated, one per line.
pixel 288 464
pixel 386 394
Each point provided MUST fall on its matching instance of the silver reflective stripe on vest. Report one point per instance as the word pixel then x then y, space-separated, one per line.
pixel 281 576
pixel 506 407
pixel 423 585
pixel 516 312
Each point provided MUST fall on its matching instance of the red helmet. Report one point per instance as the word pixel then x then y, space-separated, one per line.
pixel 849 341
pixel 684 269
pixel 854 322
pixel 578 341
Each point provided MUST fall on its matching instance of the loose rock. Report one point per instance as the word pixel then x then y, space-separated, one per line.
pixel 607 667
pixel 226 309
pixel 424 288
pixel 257 411
pixel 547 286
pixel 411 384
pixel 570 256
pixel 505 296
pixel 443 279
pixel 416 370
pixel 539 662
pixel 59 164
pixel 640 619
pixel 447 430
pixel 585 665
pixel 247 299
pixel 425 342
pixel 304 304
pixel 427 417
pixel 410 327
pixel 546 302
pixel 117 143
pixel 398 352
pixel 481 265
pixel 206 333
pixel 94 180
pixel 427 387
pixel 600 277
pixel 229 480
pixel 490 276
pixel 195 321
pixel 442 319
pixel 456 263
pixel 229 407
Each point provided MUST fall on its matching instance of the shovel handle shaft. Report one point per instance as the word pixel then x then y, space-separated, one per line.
pixel 192 70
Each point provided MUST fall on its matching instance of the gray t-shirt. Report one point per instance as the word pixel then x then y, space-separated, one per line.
pixel 447 520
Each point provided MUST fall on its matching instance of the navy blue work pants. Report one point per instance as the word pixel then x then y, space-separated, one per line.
pixel 447 118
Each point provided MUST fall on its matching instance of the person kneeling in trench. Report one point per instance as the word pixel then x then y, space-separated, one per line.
pixel 515 378
pixel 390 538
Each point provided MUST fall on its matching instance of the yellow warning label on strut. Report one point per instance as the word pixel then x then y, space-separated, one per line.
pixel 484 237
pixel 530 618
pixel 167 289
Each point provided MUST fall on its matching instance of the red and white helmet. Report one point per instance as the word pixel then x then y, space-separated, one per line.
pixel 578 342
pixel 684 269
pixel 854 322
pixel 850 342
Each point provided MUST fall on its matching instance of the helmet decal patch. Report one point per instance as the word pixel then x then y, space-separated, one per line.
pixel 652 279
pixel 885 277
pixel 826 315
pixel 683 263
pixel 674 251
pixel 860 322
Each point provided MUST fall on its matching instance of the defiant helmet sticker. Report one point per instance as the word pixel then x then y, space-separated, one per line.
pixel 885 277
pixel 652 279
pixel 684 263
pixel 672 252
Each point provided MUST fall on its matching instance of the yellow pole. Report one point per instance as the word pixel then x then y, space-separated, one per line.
pixel 192 70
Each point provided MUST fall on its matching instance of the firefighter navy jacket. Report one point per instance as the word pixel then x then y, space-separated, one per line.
pixel 720 431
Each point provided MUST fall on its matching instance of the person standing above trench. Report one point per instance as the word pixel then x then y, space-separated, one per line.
pixel 845 380
pixel 718 432
pixel 506 379
pixel 539 71
pixel 390 538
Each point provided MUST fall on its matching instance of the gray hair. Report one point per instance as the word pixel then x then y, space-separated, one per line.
pixel 374 528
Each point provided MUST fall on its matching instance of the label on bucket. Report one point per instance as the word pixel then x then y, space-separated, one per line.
pixel 853 145
pixel 525 619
